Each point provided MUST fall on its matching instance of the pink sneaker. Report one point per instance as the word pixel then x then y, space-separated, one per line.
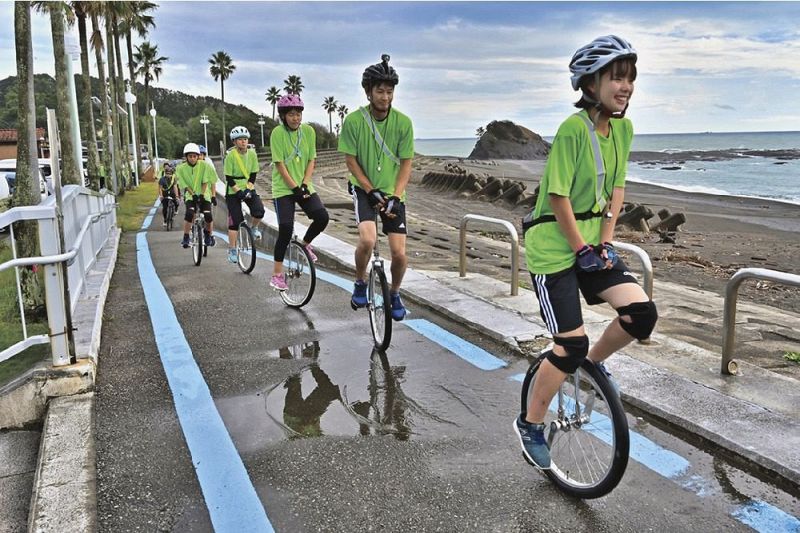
pixel 278 282
pixel 311 253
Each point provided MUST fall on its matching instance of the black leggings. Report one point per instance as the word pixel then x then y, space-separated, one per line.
pixel 284 209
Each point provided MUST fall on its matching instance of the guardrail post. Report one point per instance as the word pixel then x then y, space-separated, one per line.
pixel 512 231
pixel 54 293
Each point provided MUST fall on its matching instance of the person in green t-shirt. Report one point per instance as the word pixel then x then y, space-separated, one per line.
pixel 568 235
pixel 240 168
pixel 378 143
pixel 294 152
pixel 196 179
pixel 168 190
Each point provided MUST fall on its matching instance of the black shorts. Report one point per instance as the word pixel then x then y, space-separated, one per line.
pixel 235 215
pixel 364 211
pixel 284 207
pixel 559 302
pixel 191 206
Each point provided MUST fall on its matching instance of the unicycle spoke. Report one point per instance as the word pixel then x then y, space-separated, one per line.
pixel 246 248
pixel 300 276
pixel 380 317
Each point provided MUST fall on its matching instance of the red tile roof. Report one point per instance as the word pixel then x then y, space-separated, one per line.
pixel 10 135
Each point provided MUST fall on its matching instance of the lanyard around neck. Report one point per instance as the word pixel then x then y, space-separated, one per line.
pixel 296 151
pixel 598 161
pixel 382 148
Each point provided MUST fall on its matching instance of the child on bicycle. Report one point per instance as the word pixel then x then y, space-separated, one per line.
pixel 378 143
pixel 294 153
pixel 168 190
pixel 241 168
pixel 568 235
pixel 197 180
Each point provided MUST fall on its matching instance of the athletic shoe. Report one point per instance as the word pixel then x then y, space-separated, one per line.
pixel 210 241
pixel 185 240
pixel 278 282
pixel 233 255
pixel 602 368
pixel 534 446
pixel 164 224
pixel 257 234
pixel 398 311
pixel 359 298
pixel 311 253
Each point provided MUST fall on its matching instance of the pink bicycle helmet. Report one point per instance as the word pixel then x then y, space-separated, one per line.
pixel 290 101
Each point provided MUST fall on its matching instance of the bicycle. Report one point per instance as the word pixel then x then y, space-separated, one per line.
pixel 379 304
pixel 197 241
pixel 300 275
pixel 586 430
pixel 169 214
pixel 245 248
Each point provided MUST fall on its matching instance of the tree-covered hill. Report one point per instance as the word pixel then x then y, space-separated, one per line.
pixel 178 119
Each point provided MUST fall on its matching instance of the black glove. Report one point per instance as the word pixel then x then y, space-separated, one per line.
pixel 306 192
pixel 298 194
pixel 376 197
pixel 249 193
pixel 589 260
pixel 214 201
pixel 240 194
pixel 611 252
pixel 392 205
pixel 196 198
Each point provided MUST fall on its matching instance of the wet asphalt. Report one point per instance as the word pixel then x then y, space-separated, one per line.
pixel 336 437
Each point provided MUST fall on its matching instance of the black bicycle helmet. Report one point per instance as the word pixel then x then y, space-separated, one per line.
pixel 379 73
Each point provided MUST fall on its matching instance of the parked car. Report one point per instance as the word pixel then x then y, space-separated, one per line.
pixel 10 166
pixel 6 184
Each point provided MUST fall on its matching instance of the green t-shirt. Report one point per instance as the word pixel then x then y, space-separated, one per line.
pixel 194 177
pixel 284 145
pixel 570 171
pixel 232 167
pixel 358 139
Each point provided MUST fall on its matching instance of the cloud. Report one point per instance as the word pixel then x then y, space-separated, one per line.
pixel 725 107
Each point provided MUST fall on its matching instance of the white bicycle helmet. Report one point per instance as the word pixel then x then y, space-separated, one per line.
pixel 238 132
pixel 596 55
pixel 191 148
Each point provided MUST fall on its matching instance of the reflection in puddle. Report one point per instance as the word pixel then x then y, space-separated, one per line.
pixel 306 350
pixel 381 409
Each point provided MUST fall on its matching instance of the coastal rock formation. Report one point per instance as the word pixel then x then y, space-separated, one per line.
pixel 503 139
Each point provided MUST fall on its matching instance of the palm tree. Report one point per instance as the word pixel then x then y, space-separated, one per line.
pixel 95 10
pixel 148 66
pixel 342 111
pixel 480 131
pixel 122 166
pixel 221 69
pixel 273 95
pixel 330 104
pixel 140 21
pixel 87 115
pixel 119 11
pixel 27 188
pixel 70 169
pixel 293 85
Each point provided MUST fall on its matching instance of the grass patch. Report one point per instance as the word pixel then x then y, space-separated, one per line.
pixel 794 357
pixel 11 326
pixel 135 205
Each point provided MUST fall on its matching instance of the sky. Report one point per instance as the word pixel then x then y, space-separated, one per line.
pixel 703 66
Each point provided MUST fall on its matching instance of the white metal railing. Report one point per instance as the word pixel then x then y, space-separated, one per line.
pixel 729 365
pixel 512 231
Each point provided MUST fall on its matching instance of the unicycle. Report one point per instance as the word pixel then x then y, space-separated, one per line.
pixel 300 275
pixel 196 241
pixel 246 248
pixel 170 213
pixel 586 430
pixel 379 304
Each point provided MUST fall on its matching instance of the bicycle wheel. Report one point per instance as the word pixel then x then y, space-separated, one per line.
pixel 380 312
pixel 170 214
pixel 197 243
pixel 246 247
pixel 300 275
pixel 587 432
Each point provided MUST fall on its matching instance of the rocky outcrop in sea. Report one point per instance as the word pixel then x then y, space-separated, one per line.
pixel 503 139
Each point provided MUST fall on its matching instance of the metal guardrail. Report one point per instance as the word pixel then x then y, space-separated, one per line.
pixel 647 265
pixel 729 365
pixel 512 231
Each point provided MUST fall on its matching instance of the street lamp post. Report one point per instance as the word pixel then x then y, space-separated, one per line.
pixel 204 121
pixel 155 133
pixel 130 99
pixel 261 123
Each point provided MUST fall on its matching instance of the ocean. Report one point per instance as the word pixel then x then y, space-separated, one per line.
pixel 755 176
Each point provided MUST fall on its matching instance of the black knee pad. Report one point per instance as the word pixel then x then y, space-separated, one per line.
pixel 207 216
pixel 577 349
pixel 643 319
pixel 257 211
pixel 189 216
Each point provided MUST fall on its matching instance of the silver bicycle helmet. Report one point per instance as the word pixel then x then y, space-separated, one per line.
pixel 238 132
pixel 596 55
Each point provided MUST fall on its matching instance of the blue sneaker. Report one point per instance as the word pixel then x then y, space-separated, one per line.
pixel 210 241
pixel 398 311
pixel 359 298
pixel 602 368
pixel 256 234
pixel 185 241
pixel 233 255
pixel 534 447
